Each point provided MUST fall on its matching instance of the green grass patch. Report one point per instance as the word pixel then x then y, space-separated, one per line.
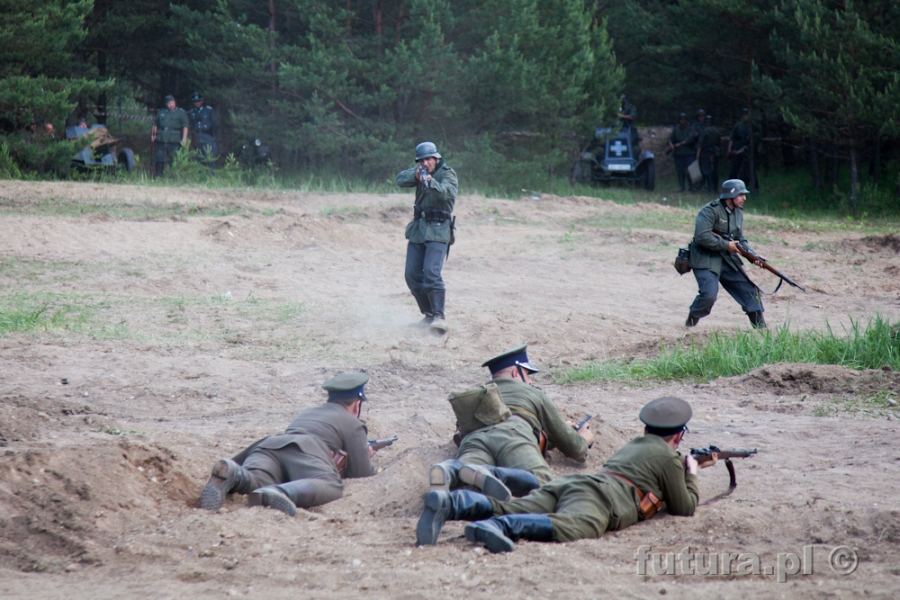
pixel 728 354
pixel 23 313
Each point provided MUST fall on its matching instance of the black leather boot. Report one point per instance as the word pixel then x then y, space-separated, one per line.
pixel 285 497
pixel 756 319
pixel 500 534
pixel 424 307
pixel 485 479
pixel 519 481
pixel 438 325
pixel 440 506
pixel 444 475
pixel 691 320
pixel 227 477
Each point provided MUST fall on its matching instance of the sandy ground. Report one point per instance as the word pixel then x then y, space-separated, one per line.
pixel 191 323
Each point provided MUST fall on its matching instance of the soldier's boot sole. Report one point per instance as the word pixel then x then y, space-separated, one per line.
pixel 272 497
pixel 484 481
pixel 222 480
pixel 491 535
pixel 437 509
pixel 439 479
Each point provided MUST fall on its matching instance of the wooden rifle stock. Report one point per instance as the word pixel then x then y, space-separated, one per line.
pixel 765 264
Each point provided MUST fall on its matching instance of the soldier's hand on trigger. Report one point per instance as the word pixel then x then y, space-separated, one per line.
pixel 690 465
pixel 372 451
pixel 733 246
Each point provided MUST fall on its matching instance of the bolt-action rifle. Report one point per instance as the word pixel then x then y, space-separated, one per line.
pixel 341 459
pixel 753 257
pixel 703 455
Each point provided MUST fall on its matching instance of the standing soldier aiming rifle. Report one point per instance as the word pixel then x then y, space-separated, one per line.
pixel 430 233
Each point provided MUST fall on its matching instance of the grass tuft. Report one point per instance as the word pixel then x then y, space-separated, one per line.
pixel 727 354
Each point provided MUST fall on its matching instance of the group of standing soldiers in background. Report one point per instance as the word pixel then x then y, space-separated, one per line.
pixel 170 132
pixel 701 141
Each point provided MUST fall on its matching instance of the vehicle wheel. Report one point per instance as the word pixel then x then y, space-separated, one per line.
pixel 650 176
pixel 582 172
pixel 126 160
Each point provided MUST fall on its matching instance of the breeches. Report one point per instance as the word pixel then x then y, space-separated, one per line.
pixel 507 444
pixel 579 507
pixel 274 466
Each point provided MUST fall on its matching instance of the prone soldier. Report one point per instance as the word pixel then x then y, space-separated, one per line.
pixel 632 486
pixel 507 452
pixel 300 466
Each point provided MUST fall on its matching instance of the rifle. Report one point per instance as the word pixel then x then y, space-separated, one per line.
pixel 382 443
pixel 753 257
pixel 423 173
pixel 703 455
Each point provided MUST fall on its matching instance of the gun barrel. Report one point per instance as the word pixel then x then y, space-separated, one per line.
pixel 583 422
pixel 383 442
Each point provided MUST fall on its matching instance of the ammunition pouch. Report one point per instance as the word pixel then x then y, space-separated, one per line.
pixel 431 215
pixel 683 261
pixel 478 407
pixel 649 503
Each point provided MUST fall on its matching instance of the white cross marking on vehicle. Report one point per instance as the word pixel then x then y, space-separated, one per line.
pixel 618 148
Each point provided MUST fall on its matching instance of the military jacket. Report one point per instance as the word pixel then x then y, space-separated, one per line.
pixel 654 467
pixel 710 139
pixel 170 125
pixel 321 431
pixel 439 196
pixel 533 405
pixel 683 133
pixel 707 250
pixel 740 135
pixel 629 110
pixel 204 120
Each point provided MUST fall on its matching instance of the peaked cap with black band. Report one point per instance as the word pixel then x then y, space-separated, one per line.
pixel 666 416
pixel 346 386
pixel 516 357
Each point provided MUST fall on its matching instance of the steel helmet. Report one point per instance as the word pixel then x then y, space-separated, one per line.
pixel 733 188
pixel 426 149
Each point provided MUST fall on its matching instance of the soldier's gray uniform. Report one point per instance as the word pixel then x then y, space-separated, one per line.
pixel 683 140
pixel 205 125
pixel 306 451
pixel 712 264
pixel 298 467
pixel 170 126
pixel 429 233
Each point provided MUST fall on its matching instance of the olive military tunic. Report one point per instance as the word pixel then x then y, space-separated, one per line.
pixel 514 442
pixel 585 506
pixel 306 449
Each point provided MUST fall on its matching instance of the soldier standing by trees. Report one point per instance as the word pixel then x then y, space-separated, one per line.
pixel 709 146
pixel 205 125
pixel 681 143
pixel 171 129
pixel 744 135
